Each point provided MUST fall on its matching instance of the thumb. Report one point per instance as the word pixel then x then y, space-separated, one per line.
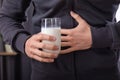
pixel 76 17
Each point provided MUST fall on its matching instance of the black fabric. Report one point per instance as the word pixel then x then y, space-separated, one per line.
pixel 14 67
pixel 97 63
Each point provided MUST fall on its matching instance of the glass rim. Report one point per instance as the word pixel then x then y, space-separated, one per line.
pixel 51 22
pixel 51 18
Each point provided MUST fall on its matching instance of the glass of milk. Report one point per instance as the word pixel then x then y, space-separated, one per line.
pixel 52 26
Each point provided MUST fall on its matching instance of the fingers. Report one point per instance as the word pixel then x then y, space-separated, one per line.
pixel 33 44
pixel 64 44
pixel 41 59
pixel 43 54
pixel 71 49
pixel 76 17
pixel 65 31
pixel 41 45
pixel 66 38
pixel 41 36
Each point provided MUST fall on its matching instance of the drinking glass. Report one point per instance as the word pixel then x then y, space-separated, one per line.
pixel 52 26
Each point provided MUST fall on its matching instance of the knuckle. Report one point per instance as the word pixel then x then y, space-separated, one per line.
pixel 53 47
pixel 41 60
pixel 31 55
pixel 49 37
pixel 52 38
pixel 47 55
pixel 41 54
pixel 30 51
pixel 43 46
pixel 72 43
pixel 44 60
pixel 34 36
pixel 30 45
pixel 51 55
pixel 71 38
pixel 41 36
pixel 54 55
pixel 76 16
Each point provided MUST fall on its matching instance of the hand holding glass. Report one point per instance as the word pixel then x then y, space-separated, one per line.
pixel 52 26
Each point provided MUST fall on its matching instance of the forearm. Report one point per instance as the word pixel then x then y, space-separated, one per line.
pixel 12 14
pixel 12 32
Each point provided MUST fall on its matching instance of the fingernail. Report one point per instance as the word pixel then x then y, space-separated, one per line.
pixel 71 12
pixel 56 47
pixel 52 60
pixel 53 38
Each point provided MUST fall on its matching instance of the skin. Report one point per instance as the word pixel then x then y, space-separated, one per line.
pixel 80 40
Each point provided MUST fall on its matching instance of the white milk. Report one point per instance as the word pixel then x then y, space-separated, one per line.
pixel 54 32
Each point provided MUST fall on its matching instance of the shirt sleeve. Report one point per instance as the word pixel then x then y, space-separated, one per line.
pixel 12 14
pixel 108 36
pixel 115 28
